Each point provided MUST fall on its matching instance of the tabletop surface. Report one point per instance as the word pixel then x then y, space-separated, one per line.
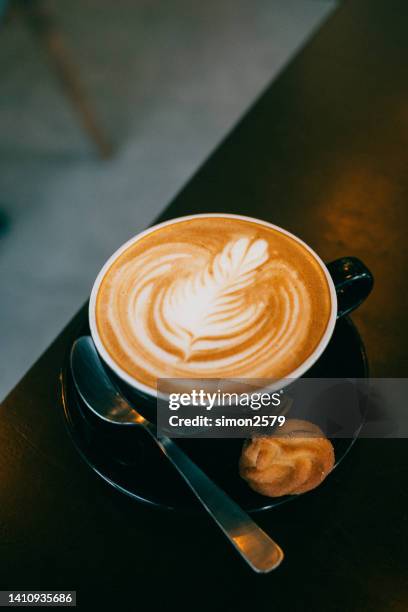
pixel 323 153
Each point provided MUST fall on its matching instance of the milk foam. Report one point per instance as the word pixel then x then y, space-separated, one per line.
pixel 235 307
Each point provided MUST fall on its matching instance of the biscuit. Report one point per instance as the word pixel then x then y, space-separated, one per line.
pixel 296 459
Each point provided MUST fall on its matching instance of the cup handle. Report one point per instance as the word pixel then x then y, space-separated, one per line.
pixel 353 282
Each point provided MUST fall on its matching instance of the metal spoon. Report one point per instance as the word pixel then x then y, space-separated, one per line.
pixel 101 396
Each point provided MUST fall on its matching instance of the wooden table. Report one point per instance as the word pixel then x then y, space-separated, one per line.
pixel 323 153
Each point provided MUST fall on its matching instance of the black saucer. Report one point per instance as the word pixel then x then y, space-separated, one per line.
pixel 131 462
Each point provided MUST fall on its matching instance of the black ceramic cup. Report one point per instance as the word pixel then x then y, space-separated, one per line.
pixel 349 281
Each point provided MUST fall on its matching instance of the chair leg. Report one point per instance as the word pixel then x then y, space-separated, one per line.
pixel 43 26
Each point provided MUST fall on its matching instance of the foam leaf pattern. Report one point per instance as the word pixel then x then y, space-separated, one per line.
pixel 214 305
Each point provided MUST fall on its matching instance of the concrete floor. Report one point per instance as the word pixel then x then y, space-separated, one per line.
pixel 169 79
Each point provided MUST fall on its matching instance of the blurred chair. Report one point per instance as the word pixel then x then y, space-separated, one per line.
pixel 44 27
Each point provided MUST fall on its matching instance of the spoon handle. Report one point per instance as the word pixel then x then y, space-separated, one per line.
pixel 253 544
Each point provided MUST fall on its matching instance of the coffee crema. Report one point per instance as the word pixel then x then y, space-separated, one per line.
pixel 212 297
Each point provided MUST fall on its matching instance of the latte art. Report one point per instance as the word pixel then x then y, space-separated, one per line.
pixel 209 310
pixel 212 298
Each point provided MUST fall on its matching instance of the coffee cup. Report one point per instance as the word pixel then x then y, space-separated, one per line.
pixel 218 296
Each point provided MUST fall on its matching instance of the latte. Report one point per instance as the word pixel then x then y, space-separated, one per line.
pixel 212 297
